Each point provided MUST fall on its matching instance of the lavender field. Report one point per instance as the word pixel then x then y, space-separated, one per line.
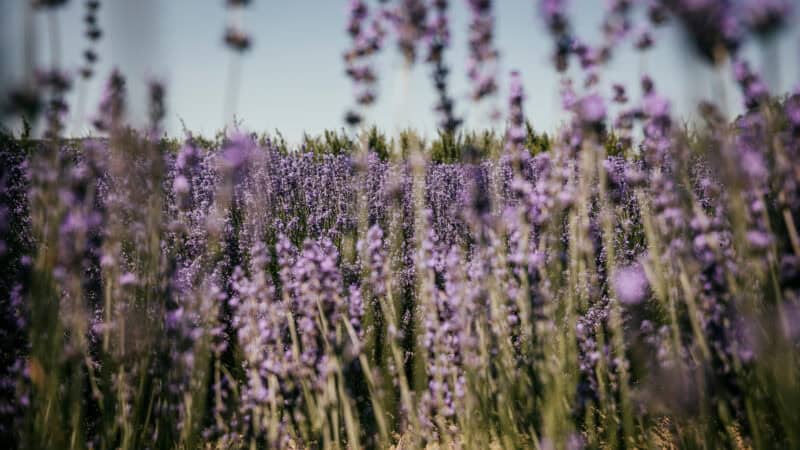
pixel 629 279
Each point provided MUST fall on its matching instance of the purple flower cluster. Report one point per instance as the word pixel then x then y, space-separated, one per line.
pixel 754 89
pixel 235 37
pixel 410 22
pixel 438 37
pixel 93 33
pixel 367 36
pixel 623 282
pixel 483 56
pixel 516 116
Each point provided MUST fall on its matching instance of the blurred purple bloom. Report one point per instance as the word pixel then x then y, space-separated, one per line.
pixel 631 285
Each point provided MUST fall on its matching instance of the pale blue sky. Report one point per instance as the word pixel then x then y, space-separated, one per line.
pixel 293 78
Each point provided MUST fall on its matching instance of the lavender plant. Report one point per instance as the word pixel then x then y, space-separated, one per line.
pixel 630 284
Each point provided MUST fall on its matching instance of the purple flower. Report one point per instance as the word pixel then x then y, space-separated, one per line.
pixel 592 110
pixel 373 251
pixel 112 103
pixel 438 41
pixel 792 110
pixel 481 64
pixel 127 279
pixel 517 133
pixel 367 39
pixel 410 23
pixel 711 25
pixel 765 17
pixel 754 90
pixel 630 284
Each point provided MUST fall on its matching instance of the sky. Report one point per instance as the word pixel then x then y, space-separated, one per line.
pixel 293 78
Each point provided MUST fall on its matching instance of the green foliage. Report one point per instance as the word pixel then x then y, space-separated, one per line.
pixel 407 141
pixel 328 143
pixel 446 148
pixel 277 140
pixel 169 144
pixel 614 145
pixel 536 142
pixel 377 142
